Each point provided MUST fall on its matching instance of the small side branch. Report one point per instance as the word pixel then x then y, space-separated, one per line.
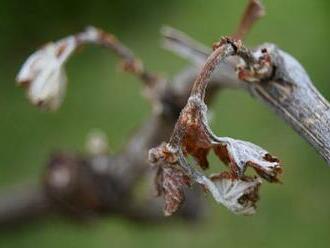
pixel 130 63
pixel 253 12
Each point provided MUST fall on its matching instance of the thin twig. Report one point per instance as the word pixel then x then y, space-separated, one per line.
pixel 130 63
pixel 253 12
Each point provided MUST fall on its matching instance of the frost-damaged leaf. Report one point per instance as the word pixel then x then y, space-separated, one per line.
pixel 171 182
pixel 239 195
pixel 170 179
pixel 198 139
pixel 241 154
pixel 43 74
pixel 195 140
pixel 193 136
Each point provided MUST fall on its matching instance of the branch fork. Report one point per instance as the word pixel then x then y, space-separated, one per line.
pixel 193 136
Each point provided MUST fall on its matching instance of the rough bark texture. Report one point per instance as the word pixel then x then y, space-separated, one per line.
pixel 292 95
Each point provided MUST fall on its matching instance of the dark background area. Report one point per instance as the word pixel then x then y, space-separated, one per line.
pixel 293 214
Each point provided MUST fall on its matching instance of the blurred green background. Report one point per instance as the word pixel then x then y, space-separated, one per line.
pixel 294 214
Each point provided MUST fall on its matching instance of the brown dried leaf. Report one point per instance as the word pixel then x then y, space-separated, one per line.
pixel 196 149
pixel 170 182
pixel 195 140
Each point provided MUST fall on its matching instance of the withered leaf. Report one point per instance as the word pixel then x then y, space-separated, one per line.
pixel 170 182
pixel 241 154
pixel 195 140
pixel 43 74
pixel 193 136
pixel 238 195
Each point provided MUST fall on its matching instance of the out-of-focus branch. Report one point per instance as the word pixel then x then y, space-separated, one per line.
pixel 253 12
pixel 84 186
pixel 130 63
pixel 87 187
pixel 181 43
pixel 22 203
pixel 184 46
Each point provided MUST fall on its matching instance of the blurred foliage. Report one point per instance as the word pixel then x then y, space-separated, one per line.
pixel 294 214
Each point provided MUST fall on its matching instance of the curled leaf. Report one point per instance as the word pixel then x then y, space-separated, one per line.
pixel 238 195
pixel 43 74
pixel 241 154
pixel 193 136
pixel 171 182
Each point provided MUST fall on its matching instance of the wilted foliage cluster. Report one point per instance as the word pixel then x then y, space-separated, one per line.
pixel 266 72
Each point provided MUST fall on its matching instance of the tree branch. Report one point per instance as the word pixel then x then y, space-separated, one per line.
pixel 289 91
pixel 88 186
pixel 22 203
